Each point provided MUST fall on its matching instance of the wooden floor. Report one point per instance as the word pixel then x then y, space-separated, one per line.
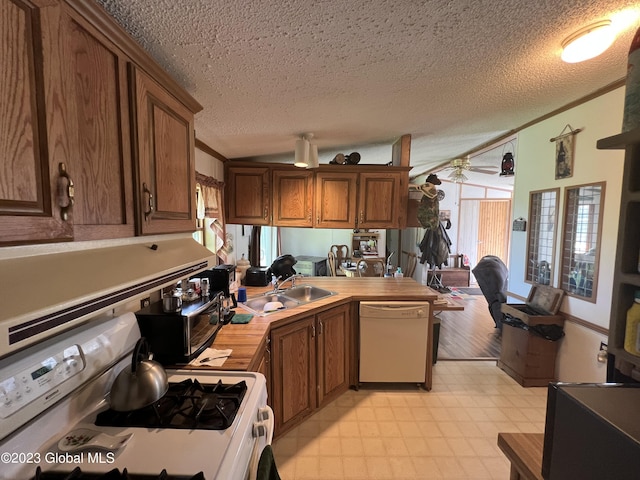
pixel 468 334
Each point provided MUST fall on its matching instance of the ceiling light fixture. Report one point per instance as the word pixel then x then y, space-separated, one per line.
pixel 588 42
pixel 457 176
pixel 306 153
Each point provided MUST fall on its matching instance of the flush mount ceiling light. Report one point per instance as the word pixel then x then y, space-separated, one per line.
pixel 306 154
pixel 588 42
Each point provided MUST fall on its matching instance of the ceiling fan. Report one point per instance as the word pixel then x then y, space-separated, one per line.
pixel 459 165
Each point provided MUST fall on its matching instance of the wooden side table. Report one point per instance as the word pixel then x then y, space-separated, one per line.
pixel 524 451
pixel 451 277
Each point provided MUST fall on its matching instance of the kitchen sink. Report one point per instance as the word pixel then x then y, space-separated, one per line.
pixel 307 293
pixel 290 298
pixel 257 304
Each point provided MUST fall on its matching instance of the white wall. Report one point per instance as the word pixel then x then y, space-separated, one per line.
pixel 535 170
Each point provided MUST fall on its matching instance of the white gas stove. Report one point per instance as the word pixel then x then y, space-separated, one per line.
pixel 59 388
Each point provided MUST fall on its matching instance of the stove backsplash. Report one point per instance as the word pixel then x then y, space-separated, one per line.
pixel 49 289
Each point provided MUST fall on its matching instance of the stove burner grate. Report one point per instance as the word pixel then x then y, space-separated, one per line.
pixel 188 404
pixel 114 474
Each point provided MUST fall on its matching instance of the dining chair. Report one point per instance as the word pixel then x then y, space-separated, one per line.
pixel 370 267
pixel 410 267
pixel 341 252
pixel 331 261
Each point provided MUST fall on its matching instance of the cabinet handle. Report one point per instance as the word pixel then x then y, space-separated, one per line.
pixel 321 328
pixel 318 220
pixel 313 331
pixel 149 212
pixel 310 216
pixel 266 213
pixel 64 209
pixel 361 217
pixel 268 356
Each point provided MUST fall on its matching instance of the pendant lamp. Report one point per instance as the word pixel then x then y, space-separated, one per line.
pixel 306 153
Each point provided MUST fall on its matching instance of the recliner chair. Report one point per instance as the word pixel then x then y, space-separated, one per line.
pixel 492 276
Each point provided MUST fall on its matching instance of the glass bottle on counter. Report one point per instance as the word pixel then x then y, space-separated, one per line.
pixel 632 331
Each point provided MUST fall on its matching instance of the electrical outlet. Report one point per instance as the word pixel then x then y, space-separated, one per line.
pixel 145 302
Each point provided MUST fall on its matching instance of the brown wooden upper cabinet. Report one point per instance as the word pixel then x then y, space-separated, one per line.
pixel 34 149
pixel 261 195
pixel 336 199
pixel 363 196
pixel 99 133
pixel 365 199
pixel 292 198
pixel 248 195
pixel 66 170
pixel 165 158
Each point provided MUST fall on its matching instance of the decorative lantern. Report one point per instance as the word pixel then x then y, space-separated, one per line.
pixel 507 165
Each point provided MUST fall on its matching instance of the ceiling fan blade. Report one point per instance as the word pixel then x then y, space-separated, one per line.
pixel 482 170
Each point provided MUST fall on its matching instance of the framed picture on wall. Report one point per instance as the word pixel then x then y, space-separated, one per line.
pixel 565 143
pixel 564 157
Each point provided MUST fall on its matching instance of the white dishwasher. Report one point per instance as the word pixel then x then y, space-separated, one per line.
pixel 393 341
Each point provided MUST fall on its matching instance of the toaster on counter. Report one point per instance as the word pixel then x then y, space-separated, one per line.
pixel 257 277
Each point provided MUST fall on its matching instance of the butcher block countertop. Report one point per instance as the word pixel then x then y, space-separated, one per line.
pixel 247 340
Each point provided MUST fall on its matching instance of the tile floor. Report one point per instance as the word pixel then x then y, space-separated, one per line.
pixel 448 433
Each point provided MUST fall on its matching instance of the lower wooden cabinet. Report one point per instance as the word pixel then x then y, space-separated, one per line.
pixel 264 367
pixel 310 365
pixel 527 358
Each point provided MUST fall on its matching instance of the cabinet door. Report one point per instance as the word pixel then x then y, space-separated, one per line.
pixel 265 368
pixel 379 200
pixel 293 198
pixel 293 371
pixel 333 353
pixel 32 137
pixel 99 134
pixel 165 165
pixel 248 195
pixel 335 200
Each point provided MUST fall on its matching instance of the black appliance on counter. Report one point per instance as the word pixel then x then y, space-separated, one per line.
pixel 220 277
pixel 178 338
pixel 592 431
pixel 257 277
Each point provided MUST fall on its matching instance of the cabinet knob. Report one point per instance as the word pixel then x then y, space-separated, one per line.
pixel 150 202
pixel 70 192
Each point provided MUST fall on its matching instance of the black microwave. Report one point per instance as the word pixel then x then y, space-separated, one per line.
pixel 178 338
pixel 592 431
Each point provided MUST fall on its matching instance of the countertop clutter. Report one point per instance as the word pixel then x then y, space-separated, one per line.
pixel 246 339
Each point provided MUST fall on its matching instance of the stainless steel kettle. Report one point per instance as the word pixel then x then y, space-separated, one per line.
pixel 142 384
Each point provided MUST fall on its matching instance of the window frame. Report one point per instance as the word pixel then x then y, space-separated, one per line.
pixel 569 252
pixel 536 215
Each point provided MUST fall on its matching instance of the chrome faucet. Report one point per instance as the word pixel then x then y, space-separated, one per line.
pixel 278 286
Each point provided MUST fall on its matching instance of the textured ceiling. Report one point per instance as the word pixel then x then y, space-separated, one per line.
pixel 358 74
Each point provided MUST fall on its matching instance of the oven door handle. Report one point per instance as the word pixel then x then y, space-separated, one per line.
pixel 262 428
